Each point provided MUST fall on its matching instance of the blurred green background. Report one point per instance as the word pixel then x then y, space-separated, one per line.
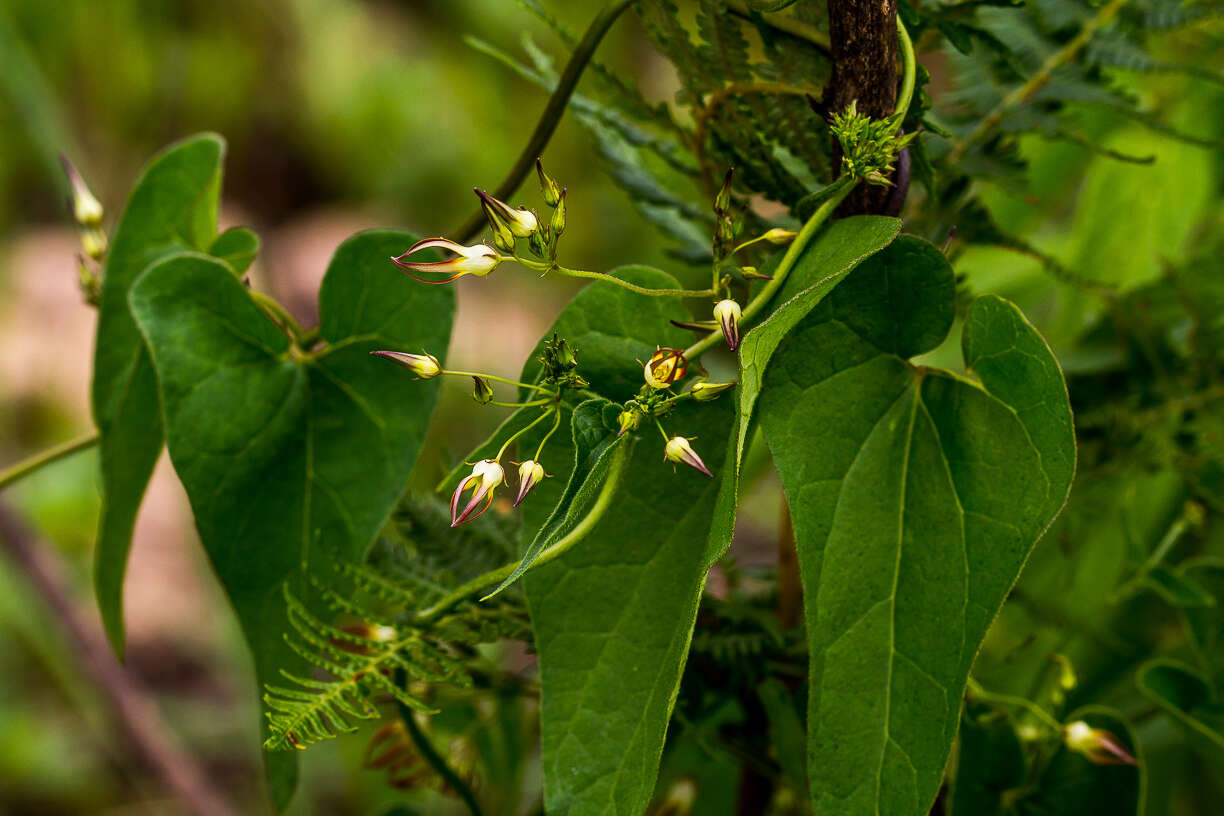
pixel 342 115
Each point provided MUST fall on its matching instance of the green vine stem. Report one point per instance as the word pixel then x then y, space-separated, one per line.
pixel 633 287
pixel 495 378
pixel 430 754
pixel 976 691
pixel 836 193
pixel 494 577
pixel 552 112
pixel 19 471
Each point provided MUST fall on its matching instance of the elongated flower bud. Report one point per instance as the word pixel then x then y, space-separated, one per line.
pixel 679 450
pixel 727 313
pixel 531 473
pixel 425 366
pixel 708 391
pixel 777 235
pixel 666 366
pixel 86 209
pixel 558 217
pixel 482 392
pixel 550 189
pixel 478 260
pixel 722 201
pixel 485 477
pixel 1097 744
pixel 521 223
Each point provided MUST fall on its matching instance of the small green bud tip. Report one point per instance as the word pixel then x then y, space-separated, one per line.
pixel 482 392
pixel 666 366
pixel 551 190
pixel 486 475
pixel 722 201
pixel 708 391
pixel 86 210
pixel 630 419
pixel 558 217
pixel 728 313
pixel 425 366
pixel 680 451
pixel 478 260
pixel 93 241
pixel 1097 744
pixel 521 222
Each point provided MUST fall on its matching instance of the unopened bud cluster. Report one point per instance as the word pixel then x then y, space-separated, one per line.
pixel 87 212
pixel 868 145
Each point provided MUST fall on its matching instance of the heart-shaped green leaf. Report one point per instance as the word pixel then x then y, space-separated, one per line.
pixel 837 250
pixel 916 497
pixel 613 616
pixel 172 208
pixel 288 456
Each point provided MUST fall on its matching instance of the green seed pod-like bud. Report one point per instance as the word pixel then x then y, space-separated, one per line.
pixel 708 391
pixel 552 191
pixel 482 392
pixel 630 419
pixel 558 216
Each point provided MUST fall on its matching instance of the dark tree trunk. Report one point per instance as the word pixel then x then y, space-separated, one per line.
pixel 863 35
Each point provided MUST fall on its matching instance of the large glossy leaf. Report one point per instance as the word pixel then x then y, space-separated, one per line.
pixel 288 457
pixel 837 250
pixel 613 617
pixel 172 208
pixel 916 497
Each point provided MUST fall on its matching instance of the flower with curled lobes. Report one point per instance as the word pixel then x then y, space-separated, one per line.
pixel 478 260
pixel 531 473
pixel 679 450
pixel 1097 744
pixel 666 366
pixel 486 475
pixel 425 366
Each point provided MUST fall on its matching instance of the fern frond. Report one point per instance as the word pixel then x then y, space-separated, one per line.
pixel 357 660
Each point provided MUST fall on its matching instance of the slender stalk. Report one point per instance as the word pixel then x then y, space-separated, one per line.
pixel 430 754
pixel 976 690
pixel 544 401
pixel 137 720
pixel 279 316
pixel 494 577
pixel 17 472
pixel 497 379
pixel 547 436
pixel 1167 542
pixel 1038 80
pixel 552 111
pixel 522 431
pixel 633 287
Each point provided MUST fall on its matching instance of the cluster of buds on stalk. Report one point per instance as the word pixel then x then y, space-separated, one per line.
pixel 868 145
pixel 87 213
pixel 665 368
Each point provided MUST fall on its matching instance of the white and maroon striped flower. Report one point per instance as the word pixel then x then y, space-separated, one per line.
pixel 478 259
pixel 486 476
